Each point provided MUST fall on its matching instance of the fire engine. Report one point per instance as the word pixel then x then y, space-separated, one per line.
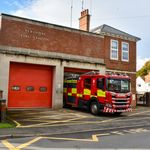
pixel 108 93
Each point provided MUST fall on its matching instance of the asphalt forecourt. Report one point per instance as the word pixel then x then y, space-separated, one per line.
pixel 64 117
pixel 49 122
pixel 97 140
pixel 38 126
pixel 45 118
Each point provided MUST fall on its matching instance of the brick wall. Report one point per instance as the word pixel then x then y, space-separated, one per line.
pixel 119 64
pixel 24 33
pixel 46 37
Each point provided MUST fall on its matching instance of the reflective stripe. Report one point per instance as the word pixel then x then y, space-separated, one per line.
pixel 65 90
pixel 71 81
pixel 101 93
pixel 69 94
pixel 74 90
pixel 79 95
pixel 87 92
pixel 110 110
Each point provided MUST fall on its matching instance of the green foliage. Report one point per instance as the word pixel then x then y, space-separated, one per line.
pixel 6 125
pixel 144 70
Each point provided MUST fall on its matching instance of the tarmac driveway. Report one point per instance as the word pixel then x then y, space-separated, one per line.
pixel 71 121
pixel 54 118
pixel 45 117
pixel 58 126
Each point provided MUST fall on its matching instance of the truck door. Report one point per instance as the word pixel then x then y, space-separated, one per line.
pixel 101 89
pixel 71 91
pixel 87 88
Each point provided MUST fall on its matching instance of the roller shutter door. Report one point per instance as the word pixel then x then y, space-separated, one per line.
pixel 30 86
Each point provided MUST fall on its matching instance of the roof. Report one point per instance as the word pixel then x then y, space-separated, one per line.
pixel 111 31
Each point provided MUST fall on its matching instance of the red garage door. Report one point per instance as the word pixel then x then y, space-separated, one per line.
pixel 30 86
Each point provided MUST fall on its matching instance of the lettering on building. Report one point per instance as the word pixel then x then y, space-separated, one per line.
pixel 30 33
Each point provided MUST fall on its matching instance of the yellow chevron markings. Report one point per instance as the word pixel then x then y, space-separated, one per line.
pixel 94 138
pixel 12 147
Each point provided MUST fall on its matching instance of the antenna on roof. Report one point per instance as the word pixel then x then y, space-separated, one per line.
pixel 90 7
pixel 82 4
pixel 71 13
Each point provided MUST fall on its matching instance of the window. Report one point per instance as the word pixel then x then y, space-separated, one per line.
pixel 29 88
pixel 139 85
pixel 43 89
pixel 87 83
pixel 118 85
pixel 100 83
pixel 114 50
pixel 15 88
pixel 125 51
pixel 71 83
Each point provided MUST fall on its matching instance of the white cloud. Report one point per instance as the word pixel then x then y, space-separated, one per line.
pixel 52 11
pixel 141 62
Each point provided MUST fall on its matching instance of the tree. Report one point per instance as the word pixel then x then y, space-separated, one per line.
pixel 144 70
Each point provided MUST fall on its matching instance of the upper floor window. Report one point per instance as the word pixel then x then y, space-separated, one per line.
pixel 125 51
pixel 114 50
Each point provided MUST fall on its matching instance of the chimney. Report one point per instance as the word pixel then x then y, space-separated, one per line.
pixel 84 20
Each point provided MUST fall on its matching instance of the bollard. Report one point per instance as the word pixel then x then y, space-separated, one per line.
pixel 2 110
pixel 147 99
pixel 1 93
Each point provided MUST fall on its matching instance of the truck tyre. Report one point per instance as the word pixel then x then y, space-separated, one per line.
pixel 94 108
pixel 65 105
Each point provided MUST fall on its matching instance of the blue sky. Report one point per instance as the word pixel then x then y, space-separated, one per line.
pixel 131 16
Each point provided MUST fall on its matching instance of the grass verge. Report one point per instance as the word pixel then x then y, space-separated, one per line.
pixel 6 125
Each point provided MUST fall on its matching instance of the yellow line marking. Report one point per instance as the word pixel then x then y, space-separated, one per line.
pixel 53 123
pixel 71 139
pixel 94 138
pixel 117 132
pixel 81 122
pixel 17 123
pixel 11 147
pixel 78 116
pixel 8 145
pixel 29 143
pixel 46 123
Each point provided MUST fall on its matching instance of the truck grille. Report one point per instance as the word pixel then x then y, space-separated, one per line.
pixel 120 102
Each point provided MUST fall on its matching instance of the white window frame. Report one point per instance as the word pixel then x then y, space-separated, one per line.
pixel 123 51
pixel 113 49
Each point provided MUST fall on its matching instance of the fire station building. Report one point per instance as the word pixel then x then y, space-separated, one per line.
pixel 35 56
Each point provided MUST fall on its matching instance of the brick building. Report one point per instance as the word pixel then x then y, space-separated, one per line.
pixel 34 57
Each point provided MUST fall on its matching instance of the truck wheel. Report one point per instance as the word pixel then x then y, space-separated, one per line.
pixel 65 105
pixel 94 109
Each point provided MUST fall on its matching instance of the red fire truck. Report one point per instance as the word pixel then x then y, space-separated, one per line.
pixel 99 93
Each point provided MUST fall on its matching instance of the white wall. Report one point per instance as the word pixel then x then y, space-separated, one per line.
pixel 147 85
pixel 140 86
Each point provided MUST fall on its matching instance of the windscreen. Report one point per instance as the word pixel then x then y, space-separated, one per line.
pixel 118 85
